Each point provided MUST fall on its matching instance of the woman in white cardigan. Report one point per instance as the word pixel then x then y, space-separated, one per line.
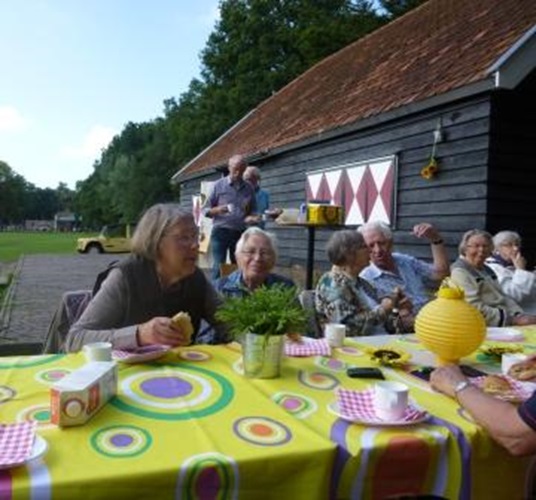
pixel 509 265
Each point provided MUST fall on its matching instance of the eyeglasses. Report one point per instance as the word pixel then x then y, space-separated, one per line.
pixel 485 246
pixel 184 240
pixel 262 253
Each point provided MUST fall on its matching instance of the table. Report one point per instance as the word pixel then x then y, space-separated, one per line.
pixel 191 425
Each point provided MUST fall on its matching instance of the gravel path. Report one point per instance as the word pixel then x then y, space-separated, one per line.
pixel 38 284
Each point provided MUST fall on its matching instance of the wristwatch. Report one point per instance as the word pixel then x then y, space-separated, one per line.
pixel 460 386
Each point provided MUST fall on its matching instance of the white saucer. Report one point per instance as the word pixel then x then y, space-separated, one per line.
pixel 142 354
pixel 39 448
pixel 333 408
pixel 504 334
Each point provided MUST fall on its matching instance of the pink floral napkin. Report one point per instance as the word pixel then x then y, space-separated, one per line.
pixel 16 442
pixel 308 347
pixel 360 405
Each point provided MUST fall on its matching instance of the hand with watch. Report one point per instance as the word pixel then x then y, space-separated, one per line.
pixel 449 380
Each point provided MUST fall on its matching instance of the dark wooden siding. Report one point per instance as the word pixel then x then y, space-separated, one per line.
pixel 512 178
pixel 454 201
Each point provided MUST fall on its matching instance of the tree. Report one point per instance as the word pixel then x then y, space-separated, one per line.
pixel 396 8
pixel 12 195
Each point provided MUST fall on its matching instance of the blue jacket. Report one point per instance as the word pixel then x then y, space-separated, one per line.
pixel 234 286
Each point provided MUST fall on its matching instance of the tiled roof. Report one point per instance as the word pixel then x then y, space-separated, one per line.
pixel 440 46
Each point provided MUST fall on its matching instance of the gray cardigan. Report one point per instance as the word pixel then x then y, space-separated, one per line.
pixel 131 295
pixel 482 291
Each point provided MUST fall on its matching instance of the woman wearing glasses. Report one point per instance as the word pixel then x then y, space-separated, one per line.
pixel 136 302
pixel 509 265
pixel 480 284
pixel 256 255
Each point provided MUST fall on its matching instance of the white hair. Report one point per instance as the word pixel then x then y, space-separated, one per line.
pixel 506 237
pixel 377 225
pixel 256 231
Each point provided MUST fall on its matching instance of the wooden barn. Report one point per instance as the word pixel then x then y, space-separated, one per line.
pixel 451 79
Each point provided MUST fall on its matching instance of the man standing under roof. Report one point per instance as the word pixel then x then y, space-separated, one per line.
pixel 253 176
pixel 232 206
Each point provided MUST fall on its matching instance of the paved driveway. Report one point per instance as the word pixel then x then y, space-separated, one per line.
pixel 39 282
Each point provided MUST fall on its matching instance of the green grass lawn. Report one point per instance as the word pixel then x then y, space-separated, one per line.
pixel 14 244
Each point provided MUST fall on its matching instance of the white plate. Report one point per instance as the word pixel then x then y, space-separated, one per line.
pixel 504 334
pixel 142 354
pixel 38 450
pixel 333 407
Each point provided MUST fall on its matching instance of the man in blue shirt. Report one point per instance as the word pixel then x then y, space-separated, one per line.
pixel 390 271
pixel 232 206
pixel 262 197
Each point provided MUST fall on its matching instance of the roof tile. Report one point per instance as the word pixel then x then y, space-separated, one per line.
pixel 440 46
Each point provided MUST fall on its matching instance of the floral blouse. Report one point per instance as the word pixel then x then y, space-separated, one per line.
pixel 351 301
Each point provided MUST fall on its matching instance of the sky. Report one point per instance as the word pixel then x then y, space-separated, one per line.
pixel 74 72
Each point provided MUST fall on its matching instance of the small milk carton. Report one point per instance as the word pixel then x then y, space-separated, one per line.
pixel 78 396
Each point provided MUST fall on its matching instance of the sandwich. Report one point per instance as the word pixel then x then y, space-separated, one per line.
pixel 183 322
pixel 494 384
pixel 523 371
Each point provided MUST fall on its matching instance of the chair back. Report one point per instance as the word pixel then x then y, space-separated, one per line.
pixel 21 349
pixel 307 301
pixel 226 269
pixel 71 307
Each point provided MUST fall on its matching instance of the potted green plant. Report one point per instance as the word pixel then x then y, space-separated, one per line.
pixel 259 321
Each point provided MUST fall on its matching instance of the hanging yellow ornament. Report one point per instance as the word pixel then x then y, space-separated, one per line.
pixel 449 326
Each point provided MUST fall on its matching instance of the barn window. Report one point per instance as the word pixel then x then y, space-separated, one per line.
pixel 366 189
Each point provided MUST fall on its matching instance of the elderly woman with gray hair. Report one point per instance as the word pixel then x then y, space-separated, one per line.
pixel 480 283
pixel 256 255
pixel 137 300
pixel 342 296
pixel 509 265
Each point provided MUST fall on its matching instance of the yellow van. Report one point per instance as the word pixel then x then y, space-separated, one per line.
pixel 114 238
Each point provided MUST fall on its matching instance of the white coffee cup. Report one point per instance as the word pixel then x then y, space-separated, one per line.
pixel 390 400
pixel 98 351
pixel 509 359
pixel 335 334
pixel 230 208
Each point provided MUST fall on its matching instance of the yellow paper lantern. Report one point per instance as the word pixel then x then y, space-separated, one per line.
pixel 449 326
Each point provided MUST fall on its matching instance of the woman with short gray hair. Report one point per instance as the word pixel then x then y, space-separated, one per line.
pixel 342 296
pixel 140 295
pixel 509 265
pixel 480 284
pixel 256 255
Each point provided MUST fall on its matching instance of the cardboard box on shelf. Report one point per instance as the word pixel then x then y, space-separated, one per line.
pixel 323 214
pixel 81 394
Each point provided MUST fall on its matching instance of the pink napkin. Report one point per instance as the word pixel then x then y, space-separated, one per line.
pixel 308 347
pixel 360 405
pixel 16 442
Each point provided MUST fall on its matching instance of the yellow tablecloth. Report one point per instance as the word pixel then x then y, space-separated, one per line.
pixel 191 425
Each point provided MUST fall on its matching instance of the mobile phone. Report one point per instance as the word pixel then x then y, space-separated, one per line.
pixel 368 372
pixel 423 372
pixel 469 371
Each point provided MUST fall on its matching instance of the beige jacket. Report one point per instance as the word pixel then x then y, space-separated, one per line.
pixel 482 291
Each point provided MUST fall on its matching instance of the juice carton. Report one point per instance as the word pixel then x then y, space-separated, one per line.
pixel 78 396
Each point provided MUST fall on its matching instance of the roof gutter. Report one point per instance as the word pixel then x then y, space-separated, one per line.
pixel 516 63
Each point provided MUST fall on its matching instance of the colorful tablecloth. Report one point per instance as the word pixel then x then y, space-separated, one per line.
pixel 190 425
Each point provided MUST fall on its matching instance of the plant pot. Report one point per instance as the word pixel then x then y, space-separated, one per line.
pixel 262 355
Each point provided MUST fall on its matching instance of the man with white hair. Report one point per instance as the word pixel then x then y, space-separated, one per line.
pixel 391 272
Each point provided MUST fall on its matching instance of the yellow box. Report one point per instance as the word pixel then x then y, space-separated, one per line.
pixel 82 393
pixel 324 215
